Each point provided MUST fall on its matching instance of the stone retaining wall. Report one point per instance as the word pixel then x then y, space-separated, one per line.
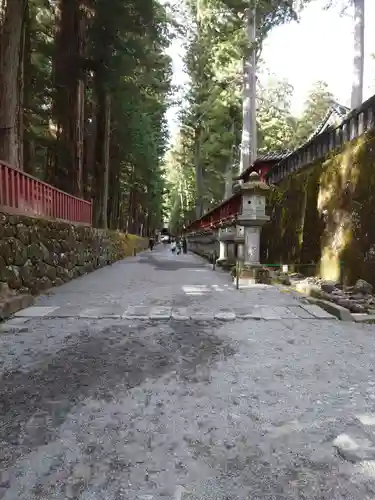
pixel 324 215
pixel 206 246
pixel 36 254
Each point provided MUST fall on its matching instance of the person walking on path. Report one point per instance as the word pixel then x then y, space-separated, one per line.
pixel 184 245
pixel 151 243
pixel 173 246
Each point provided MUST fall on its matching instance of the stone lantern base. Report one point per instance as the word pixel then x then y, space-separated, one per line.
pixel 251 274
pixel 227 256
pixel 225 264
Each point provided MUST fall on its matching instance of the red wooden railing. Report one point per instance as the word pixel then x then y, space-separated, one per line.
pixel 221 214
pixel 23 194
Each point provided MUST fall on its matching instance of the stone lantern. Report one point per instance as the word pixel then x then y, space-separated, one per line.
pixel 252 218
pixel 227 256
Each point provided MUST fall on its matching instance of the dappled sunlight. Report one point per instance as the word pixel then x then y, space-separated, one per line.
pixel 329 265
pixel 200 270
pixel 258 286
pixel 330 260
pixel 367 468
pixel 326 190
pixel 203 289
pixel 367 419
pixel 195 289
pixel 338 182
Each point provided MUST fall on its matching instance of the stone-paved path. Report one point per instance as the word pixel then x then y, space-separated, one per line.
pixel 154 380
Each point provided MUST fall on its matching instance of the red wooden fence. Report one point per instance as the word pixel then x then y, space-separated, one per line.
pixel 20 193
pixel 221 214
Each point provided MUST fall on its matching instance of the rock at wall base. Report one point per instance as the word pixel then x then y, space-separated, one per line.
pixel 36 254
pixel 283 279
pixel 340 312
pixel 253 274
pixel 13 304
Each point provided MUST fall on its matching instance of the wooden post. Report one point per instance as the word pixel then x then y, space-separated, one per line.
pixel 237 274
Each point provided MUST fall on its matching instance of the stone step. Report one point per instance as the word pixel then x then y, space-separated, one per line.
pixel 162 313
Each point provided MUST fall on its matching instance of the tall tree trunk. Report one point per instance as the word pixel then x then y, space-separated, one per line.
pixel 249 132
pixel 114 186
pixel 11 49
pixel 103 133
pixel 90 148
pixel 199 180
pixel 69 98
pixel 198 174
pixel 359 50
pixel 80 111
pixel 228 186
pixel 106 144
pixel 131 202
pixel 135 212
pixel 28 146
pixel 21 88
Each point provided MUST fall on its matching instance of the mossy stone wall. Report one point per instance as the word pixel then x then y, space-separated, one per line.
pixel 323 217
pixel 36 254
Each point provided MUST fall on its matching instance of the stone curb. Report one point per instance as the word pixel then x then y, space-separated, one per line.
pixel 364 318
pixel 340 312
pixel 11 305
pixel 143 313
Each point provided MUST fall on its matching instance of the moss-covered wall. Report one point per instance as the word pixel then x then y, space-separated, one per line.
pixel 36 254
pixel 325 214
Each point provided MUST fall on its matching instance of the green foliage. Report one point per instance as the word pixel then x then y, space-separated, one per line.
pixel 317 104
pixel 211 121
pixel 276 125
pixel 38 86
pixel 123 55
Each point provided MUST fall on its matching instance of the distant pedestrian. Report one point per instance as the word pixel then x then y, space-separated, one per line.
pixel 178 247
pixel 173 246
pixel 151 243
pixel 184 245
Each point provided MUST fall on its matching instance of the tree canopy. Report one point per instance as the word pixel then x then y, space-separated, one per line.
pixel 206 152
pixel 84 90
pixel 85 101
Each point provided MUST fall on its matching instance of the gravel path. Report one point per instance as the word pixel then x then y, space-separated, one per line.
pixel 118 408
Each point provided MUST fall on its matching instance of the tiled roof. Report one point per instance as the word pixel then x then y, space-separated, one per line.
pixel 335 114
pixel 276 156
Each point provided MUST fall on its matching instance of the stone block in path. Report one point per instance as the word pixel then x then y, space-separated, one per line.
pixel 12 304
pixel 136 312
pixel 354 450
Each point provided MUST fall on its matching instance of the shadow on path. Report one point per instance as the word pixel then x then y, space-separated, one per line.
pixel 34 404
pixel 171 265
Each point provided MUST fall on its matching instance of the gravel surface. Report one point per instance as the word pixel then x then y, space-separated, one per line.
pixel 121 409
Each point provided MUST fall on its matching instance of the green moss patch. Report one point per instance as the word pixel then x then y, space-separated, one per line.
pixel 324 215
